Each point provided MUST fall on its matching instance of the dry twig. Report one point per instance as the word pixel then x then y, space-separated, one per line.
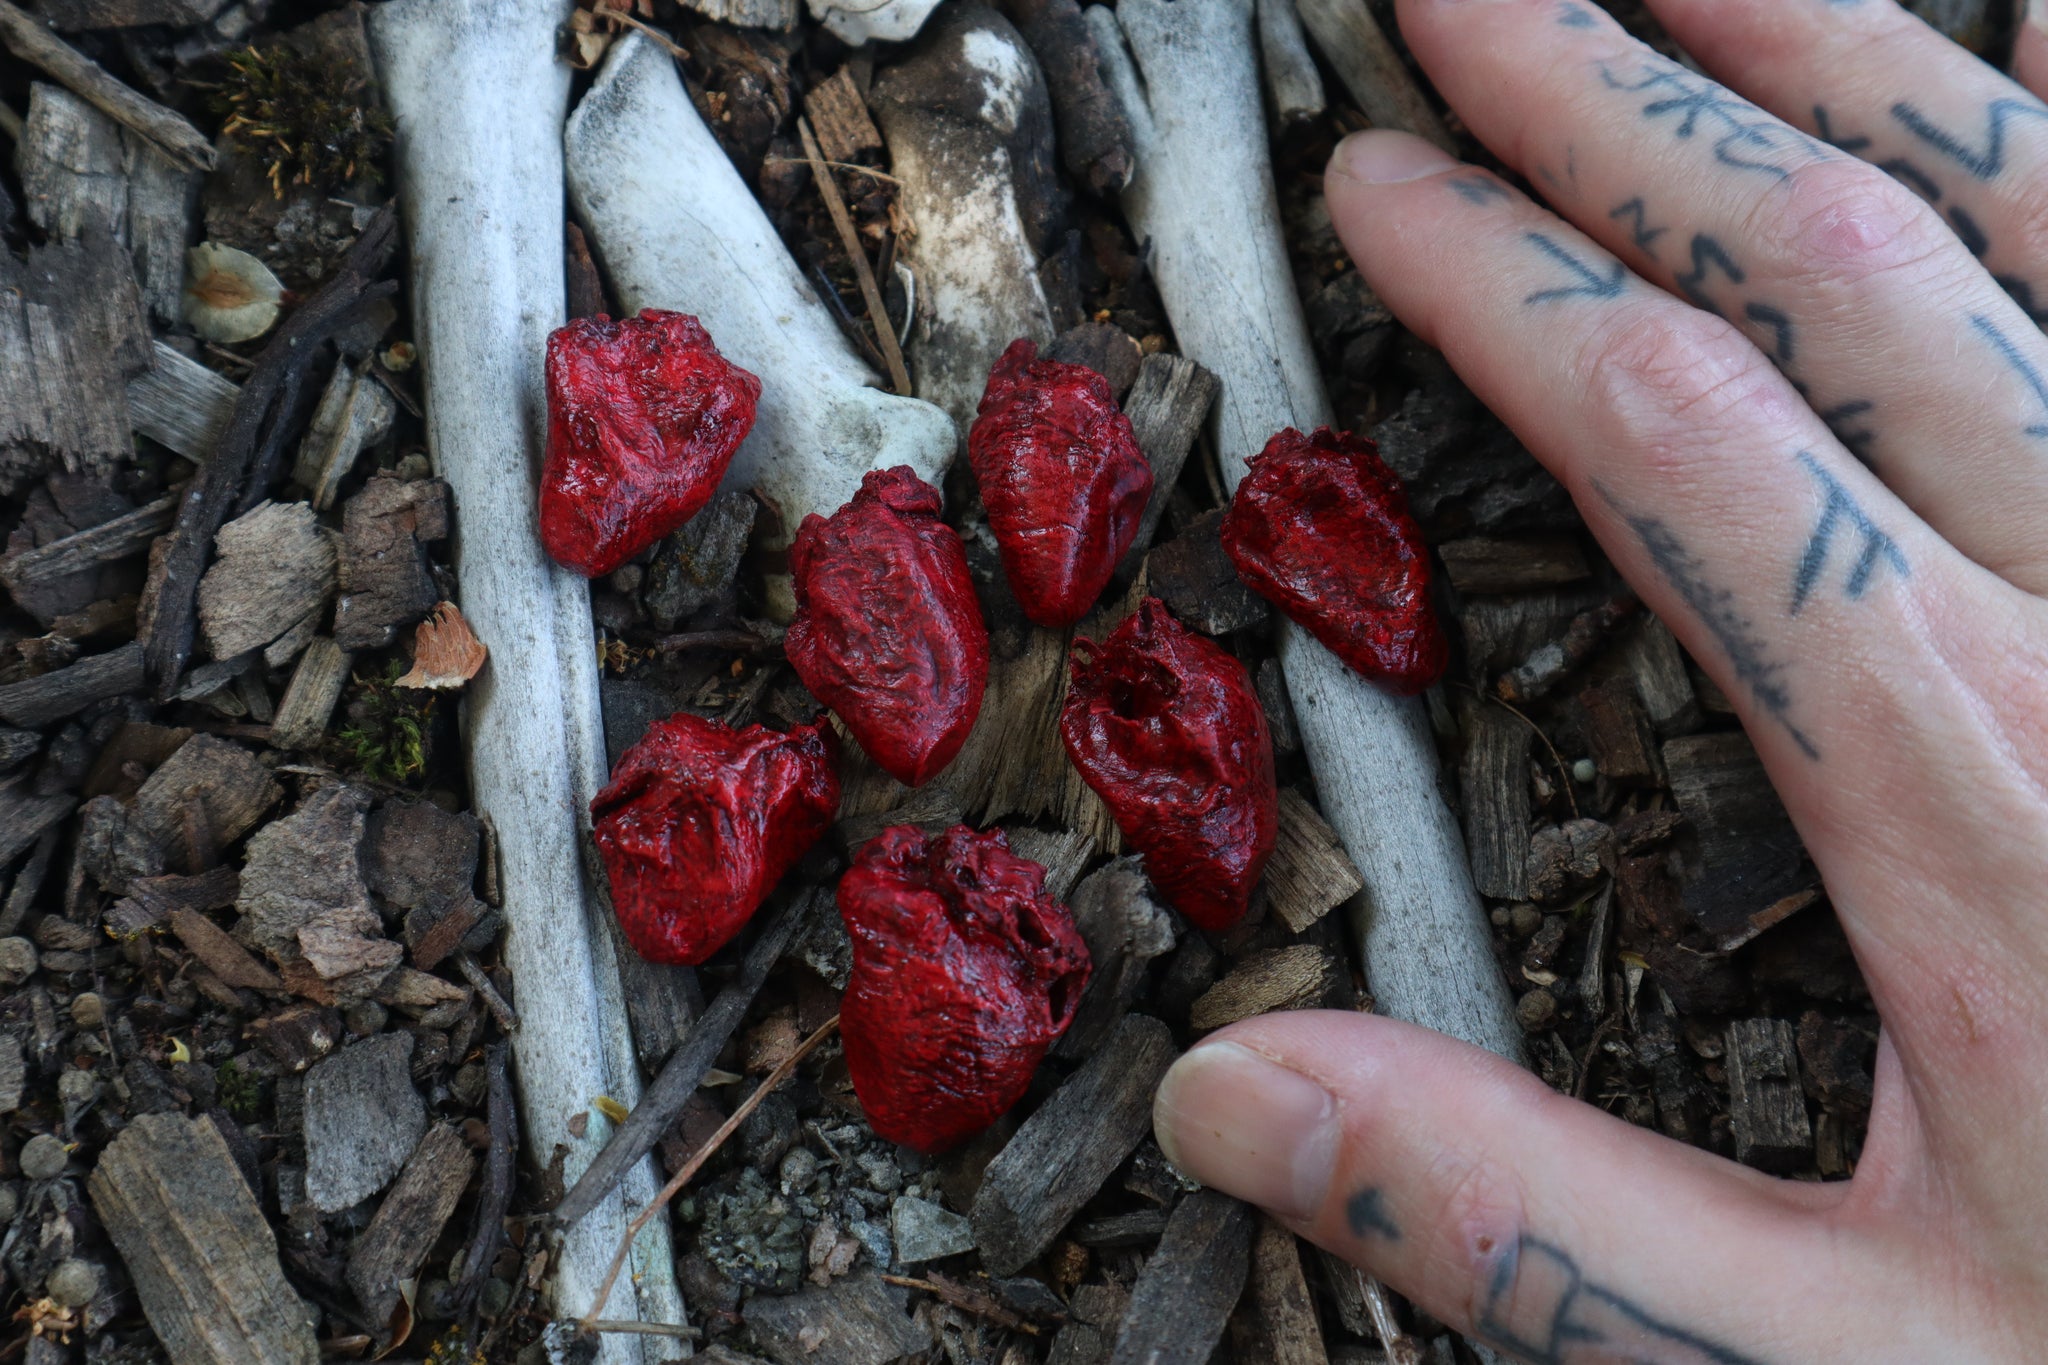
pixel 828 188
pixel 697 1160
pixel 27 38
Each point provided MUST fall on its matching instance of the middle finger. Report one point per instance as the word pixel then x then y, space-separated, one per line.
pixel 1897 337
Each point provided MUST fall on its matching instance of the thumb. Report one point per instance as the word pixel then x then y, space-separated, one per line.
pixel 1521 1217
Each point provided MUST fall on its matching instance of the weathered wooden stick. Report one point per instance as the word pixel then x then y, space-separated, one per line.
pixel 1095 137
pixel 1223 274
pixel 27 38
pixel 1371 70
pixel 1291 76
pixel 954 114
pixel 481 99
pixel 677 228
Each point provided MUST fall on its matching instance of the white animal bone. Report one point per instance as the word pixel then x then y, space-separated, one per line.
pixel 477 89
pixel 1203 199
pixel 860 21
pixel 677 228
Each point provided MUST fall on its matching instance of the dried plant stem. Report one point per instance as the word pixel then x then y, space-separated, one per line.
pixel 1402 1349
pixel 27 38
pixel 654 35
pixel 828 188
pixel 696 1163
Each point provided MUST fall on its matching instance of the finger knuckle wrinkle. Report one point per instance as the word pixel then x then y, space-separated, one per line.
pixel 1666 375
pixel 1845 222
pixel 1480 1223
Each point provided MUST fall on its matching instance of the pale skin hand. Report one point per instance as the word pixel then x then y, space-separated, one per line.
pixel 1803 402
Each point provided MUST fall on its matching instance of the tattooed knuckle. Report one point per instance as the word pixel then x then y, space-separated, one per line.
pixel 1847 223
pixel 1480 1223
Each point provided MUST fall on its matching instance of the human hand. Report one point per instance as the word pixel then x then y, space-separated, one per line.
pixel 1803 405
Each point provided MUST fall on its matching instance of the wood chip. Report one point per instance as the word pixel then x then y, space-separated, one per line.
pixel 386 578
pixel 1658 666
pixel 1618 735
pixel 1493 787
pixel 180 404
pixel 1766 1105
pixel 1168 406
pixel 304 903
pixel 275 566
pixel 839 116
pixel 410 1219
pixel 1286 1312
pixel 308 702
pixel 24 816
pixel 1199 584
pixel 30 574
pixel 1484 564
pixel 1184 1295
pixel 198 1248
pixel 1309 873
pixel 1058 1160
pixel 1126 929
pixel 859 1320
pixel 364 1117
pixel 1063 854
pixel 1750 860
pixel 224 957
pixel 1298 977
pixel 36 702
pixel 355 412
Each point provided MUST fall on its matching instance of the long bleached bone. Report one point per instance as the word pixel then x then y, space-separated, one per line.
pixel 480 100
pixel 677 228
pixel 969 128
pixel 1203 200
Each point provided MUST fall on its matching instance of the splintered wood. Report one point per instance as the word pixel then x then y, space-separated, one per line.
pixel 195 1242
pixel 1310 873
pixel 1298 977
pixel 1183 1297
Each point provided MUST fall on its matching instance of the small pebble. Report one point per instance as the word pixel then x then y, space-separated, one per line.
pixel 1536 1011
pixel 77 1088
pixel 74 1283
pixel 413 467
pixel 88 1010
pixel 9 1203
pixel 495 1298
pixel 365 1018
pixel 1524 920
pixel 43 1157
pixel 627 578
pixel 799 1168
pixel 18 961
pixel 1499 915
pixel 1584 771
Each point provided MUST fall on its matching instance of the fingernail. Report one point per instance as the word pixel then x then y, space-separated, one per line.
pixel 1249 1127
pixel 1380 156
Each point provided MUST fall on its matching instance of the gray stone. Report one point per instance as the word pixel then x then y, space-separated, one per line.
pixel 74 1283
pixel 88 1010
pixel 696 563
pixel 43 1157
pixel 18 961
pixel 926 1232
pixel 13 1073
pixel 363 1119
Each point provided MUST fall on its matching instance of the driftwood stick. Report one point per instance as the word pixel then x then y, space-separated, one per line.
pixel 1291 76
pixel 1371 70
pixel 488 1231
pixel 1095 137
pixel 27 38
pixel 676 227
pixel 1223 274
pixel 686 1067
pixel 959 115
pixel 477 89
pixel 232 481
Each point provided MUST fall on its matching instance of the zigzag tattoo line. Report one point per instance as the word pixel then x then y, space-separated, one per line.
pixel 1985 164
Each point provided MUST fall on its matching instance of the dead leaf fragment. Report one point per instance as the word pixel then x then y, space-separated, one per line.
pixel 446 652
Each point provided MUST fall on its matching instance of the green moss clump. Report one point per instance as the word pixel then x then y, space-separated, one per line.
pixel 387 735
pixel 306 116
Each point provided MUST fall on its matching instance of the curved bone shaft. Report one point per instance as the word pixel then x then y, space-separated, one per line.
pixel 1203 198
pixel 475 85
pixel 677 228
pixel 954 114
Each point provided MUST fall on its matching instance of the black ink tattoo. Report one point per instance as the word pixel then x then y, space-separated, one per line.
pixel 1826 127
pixel 1707 255
pixel 1478 189
pixel 1975 240
pixel 1984 164
pixel 1636 214
pixel 1575 16
pixel 1366 1214
pixel 1745 137
pixel 1571 1320
pixel 1723 618
pixel 1838 508
pixel 2023 295
pixel 1587 282
pixel 2013 356
pixel 1842 419
pixel 1781 330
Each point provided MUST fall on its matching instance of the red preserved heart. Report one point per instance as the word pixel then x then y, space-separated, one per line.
pixel 700 822
pixel 1062 478
pixel 1166 728
pixel 888 632
pixel 1320 527
pixel 964 973
pixel 644 415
